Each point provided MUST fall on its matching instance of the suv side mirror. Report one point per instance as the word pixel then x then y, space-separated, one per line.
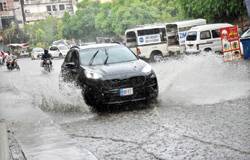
pixel 71 65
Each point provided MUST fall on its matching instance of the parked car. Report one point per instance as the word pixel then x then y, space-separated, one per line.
pixel 36 53
pixel 109 74
pixel 58 51
pixel 205 38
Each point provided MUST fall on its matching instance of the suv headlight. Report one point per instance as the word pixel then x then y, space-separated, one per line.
pixel 147 69
pixel 92 75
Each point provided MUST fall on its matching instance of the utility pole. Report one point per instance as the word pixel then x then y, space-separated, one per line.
pixel 23 13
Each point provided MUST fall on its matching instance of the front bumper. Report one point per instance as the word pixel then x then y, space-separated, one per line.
pixel 192 51
pixel 110 94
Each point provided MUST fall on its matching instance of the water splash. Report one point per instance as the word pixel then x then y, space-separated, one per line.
pixel 202 79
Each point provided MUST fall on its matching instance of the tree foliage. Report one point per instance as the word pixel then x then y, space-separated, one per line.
pixel 14 34
pixel 111 19
pixel 94 19
pixel 43 33
pixel 214 10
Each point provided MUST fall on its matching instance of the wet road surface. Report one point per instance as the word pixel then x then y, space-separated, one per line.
pixel 203 112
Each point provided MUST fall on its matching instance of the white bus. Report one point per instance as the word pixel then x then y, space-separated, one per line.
pixel 149 41
pixel 177 32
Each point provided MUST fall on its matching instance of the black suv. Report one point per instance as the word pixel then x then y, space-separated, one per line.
pixel 109 74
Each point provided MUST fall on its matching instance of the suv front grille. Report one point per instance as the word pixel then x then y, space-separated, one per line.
pixel 129 82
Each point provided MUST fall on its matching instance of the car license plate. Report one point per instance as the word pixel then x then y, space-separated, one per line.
pixel 126 91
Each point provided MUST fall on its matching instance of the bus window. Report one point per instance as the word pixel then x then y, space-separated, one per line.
pixel 131 39
pixel 148 32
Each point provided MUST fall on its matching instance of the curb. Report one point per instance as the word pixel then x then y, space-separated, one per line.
pixel 4 145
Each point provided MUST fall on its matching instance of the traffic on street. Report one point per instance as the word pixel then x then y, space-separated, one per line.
pixel 202 112
pixel 125 80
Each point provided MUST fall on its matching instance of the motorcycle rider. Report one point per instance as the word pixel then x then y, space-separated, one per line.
pixel 46 56
pixel 10 60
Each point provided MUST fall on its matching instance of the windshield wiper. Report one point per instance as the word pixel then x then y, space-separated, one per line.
pixel 106 60
pixel 93 57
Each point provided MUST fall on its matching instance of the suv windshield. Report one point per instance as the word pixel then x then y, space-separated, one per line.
pixel 107 55
pixel 192 36
pixel 63 48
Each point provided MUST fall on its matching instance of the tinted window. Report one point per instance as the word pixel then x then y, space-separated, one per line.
pixel 63 47
pixel 120 54
pixel 216 33
pixel 148 32
pixel 61 7
pixel 54 8
pixel 205 35
pixel 48 8
pixel 192 36
pixel 53 48
pixel 115 54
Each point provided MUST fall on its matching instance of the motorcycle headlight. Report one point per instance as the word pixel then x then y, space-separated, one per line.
pixel 147 69
pixel 92 75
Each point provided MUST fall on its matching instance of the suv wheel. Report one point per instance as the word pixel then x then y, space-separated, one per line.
pixel 92 101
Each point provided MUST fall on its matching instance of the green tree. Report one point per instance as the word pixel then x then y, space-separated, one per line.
pixel 112 19
pixel 44 32
pixel 14 34
pixel 82 24
pixel 214 10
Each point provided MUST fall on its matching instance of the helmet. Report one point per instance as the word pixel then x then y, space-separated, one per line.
pixel 46 51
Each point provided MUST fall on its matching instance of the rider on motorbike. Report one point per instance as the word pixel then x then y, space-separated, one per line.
pixel 10 60
pixel 46 56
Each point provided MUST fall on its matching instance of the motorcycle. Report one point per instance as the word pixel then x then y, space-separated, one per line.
pixel 11 65
pixel 47 65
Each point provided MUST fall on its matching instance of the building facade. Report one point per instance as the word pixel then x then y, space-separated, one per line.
pixel 25 11
pixel 6 13
pixel 40 9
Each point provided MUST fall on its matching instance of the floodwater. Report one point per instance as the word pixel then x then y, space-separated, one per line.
pixel 193 89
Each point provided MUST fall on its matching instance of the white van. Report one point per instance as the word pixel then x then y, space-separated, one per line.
pixel 149 41
pixel 177 31
pixel 205 38
pixel 58 51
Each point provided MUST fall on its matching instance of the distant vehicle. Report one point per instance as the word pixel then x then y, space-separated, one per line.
pixel 176 34
pixel 36 53
pixel 109 74
pixel 149 41
pixel 246 34
pixel 58 51
pixel 205 38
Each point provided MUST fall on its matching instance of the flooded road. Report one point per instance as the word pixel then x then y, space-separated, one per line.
pixel 203 112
